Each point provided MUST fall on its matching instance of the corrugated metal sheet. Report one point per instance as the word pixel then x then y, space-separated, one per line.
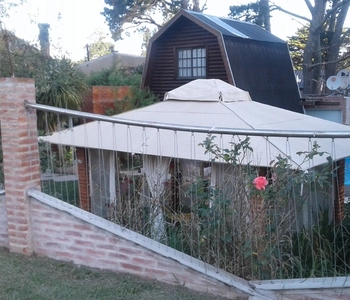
pixel 236 28
pixel 265 70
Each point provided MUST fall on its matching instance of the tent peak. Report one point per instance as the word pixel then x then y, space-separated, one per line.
pixel 212 90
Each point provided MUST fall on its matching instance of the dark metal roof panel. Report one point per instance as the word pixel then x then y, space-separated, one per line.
pixel 254 31
pixel 235 28
pixel 265 71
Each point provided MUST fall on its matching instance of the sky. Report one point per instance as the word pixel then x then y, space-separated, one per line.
pixel 78 20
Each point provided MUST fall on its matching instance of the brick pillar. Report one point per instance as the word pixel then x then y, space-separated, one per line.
pixel 21 158
pixel 100 99
pixel 83 175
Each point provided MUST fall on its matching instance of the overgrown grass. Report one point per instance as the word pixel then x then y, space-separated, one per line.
pixel 40 278
pixel 67 191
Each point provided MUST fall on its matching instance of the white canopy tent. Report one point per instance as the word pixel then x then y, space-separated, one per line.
pixel 212 104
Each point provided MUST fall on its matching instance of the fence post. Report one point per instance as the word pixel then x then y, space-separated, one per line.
pixel 20 156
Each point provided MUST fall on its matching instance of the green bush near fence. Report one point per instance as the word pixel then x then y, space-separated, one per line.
pixel 257 233
pixel 113 76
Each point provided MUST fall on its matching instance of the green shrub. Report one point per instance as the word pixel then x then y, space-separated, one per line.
pixel 116 77
pixel 131 77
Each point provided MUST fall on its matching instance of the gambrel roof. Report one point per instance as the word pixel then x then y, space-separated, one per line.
pixel 240 53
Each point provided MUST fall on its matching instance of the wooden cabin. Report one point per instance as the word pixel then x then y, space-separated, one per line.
pixel 194 45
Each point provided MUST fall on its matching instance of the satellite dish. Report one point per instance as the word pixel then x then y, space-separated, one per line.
pixel 344 76
pixel 333 82
pixel 343 73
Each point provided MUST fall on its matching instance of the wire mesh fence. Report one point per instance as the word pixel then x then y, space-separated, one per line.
pixel 260 205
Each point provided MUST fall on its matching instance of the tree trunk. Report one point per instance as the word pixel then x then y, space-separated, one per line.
pixel 265 13
pixel 185 4
pixel 312 52
pixel 332 28
pixel 336 41
pixel 196 5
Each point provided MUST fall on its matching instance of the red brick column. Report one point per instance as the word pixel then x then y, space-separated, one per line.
pixel 83 175
pixel 21 158
pixel 103 98
pixel 339 192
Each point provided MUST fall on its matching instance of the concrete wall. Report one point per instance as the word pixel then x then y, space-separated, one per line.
pixel 329 104
pixel 115 59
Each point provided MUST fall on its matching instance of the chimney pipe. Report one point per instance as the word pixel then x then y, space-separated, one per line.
pixel 44 38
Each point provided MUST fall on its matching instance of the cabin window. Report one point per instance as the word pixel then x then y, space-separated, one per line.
pixel 192 63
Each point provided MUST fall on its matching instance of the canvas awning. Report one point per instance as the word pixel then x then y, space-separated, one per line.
pixel 215 104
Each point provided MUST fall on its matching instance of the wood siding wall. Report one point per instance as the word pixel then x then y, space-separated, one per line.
pixel 161 77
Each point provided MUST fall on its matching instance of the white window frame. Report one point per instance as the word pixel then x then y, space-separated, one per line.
pixel 192 62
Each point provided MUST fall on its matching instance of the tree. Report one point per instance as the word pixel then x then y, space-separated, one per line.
pixel 146 12
pixel 327 22
pixel 344 57
pixel 99 46
pixel 255 12
pixel 6 37
pixel 325 39
pixel 6 5
pixel 18 57
pixel 296 45
pixel 147 34
pixel 61 85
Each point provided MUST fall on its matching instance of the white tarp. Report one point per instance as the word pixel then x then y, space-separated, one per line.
pixel 228 107
pixel 156 170
pixel 208 90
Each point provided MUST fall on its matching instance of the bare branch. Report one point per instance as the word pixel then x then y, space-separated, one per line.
pixel 344 35
pixel 330 62
pixel 276 7
pixel 149 20
pixel 309 5
pixel 330 11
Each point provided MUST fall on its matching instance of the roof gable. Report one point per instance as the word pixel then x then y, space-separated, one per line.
pixel 222 26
